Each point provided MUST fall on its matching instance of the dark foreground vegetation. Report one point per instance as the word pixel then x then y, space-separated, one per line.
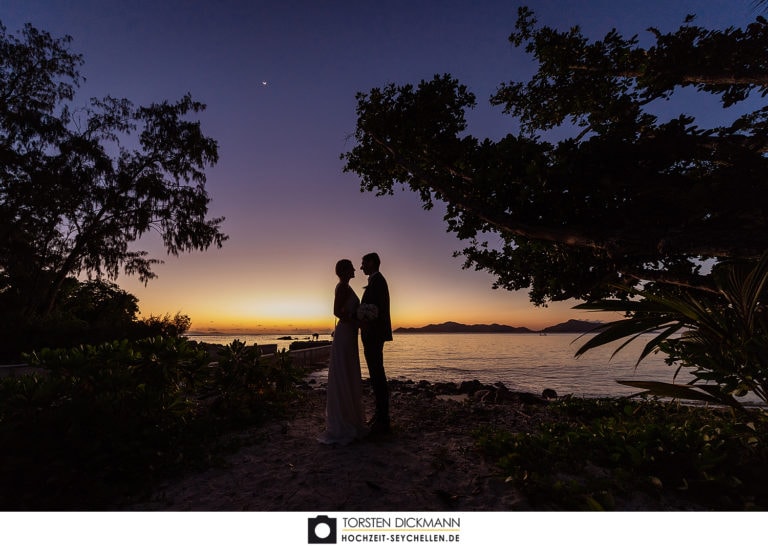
pixel 100 424
pixel 588 454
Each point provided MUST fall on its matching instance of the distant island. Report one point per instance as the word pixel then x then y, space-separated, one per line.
pixel 571 326
pixel 453 327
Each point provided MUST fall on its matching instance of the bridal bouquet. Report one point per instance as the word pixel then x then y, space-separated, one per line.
pixel 367 312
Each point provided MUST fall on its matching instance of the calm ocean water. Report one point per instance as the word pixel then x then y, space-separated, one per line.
pixel 526 362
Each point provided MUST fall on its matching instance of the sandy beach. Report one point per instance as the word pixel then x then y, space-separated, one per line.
pixel 428 463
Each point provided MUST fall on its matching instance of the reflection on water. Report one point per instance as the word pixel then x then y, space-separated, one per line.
pixel 526 362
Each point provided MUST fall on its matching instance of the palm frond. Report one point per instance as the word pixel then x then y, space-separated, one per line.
pixel 723 336
pixel 654 343
pixel 621 329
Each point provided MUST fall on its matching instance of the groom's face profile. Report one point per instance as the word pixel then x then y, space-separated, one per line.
pixel 367 267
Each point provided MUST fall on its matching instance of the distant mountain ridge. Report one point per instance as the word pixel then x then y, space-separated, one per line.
pixel 453 327
pixel 571 326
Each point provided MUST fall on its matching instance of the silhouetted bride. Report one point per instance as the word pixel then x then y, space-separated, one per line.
pixel 344 413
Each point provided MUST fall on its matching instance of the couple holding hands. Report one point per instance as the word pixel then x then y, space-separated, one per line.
pixel 344 412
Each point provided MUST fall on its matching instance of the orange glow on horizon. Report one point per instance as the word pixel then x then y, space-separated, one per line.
pixel 535 320
pixel 270 298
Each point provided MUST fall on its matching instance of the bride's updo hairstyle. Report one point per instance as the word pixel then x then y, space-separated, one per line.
pixel 342 265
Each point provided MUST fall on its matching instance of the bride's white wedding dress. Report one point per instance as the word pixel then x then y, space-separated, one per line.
pixel 344 413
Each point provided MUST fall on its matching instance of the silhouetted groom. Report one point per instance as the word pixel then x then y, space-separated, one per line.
pixel 374 333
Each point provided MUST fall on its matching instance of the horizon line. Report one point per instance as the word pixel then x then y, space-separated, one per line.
pixel 311 331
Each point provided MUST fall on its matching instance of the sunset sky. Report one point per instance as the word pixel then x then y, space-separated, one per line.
pixel 279 79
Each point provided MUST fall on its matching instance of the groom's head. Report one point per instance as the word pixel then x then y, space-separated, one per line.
pixel 371 263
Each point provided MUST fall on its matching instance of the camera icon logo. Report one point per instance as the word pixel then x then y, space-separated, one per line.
pixel 321 530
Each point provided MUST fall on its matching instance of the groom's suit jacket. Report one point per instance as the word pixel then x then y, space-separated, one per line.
pixel 377 292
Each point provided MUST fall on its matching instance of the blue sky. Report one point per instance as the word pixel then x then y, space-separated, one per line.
pixel 291 212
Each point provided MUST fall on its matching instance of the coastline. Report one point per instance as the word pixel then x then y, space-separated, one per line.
pixel 523 362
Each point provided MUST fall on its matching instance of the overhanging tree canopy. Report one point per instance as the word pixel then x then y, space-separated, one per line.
pixel 628 197
pixel 73 198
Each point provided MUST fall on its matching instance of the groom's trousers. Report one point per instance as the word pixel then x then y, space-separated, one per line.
pixel 373 349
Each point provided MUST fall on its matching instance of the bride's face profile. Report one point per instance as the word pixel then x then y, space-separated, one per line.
pixel 346 271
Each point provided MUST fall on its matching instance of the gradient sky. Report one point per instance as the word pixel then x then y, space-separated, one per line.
pixel 291 212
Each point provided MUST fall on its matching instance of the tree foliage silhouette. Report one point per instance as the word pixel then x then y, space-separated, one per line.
pixel 625 196
pixel 74 197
